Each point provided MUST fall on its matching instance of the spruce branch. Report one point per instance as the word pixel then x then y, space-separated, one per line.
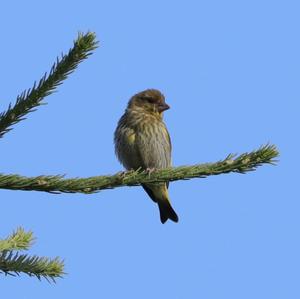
pixel 12 262
pixel 30 99
pixel 18 240
pixel 58 184
pixel 41 267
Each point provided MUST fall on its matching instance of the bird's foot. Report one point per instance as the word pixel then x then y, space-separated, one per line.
pixel 150 171
pixel 122 174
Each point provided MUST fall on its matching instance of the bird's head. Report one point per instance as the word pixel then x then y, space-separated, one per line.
pixel 150 100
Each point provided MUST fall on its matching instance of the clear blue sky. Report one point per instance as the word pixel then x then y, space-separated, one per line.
pixel 230 72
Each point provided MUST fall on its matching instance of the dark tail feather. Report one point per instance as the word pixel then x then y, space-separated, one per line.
pixel 165 208
pixel 166 211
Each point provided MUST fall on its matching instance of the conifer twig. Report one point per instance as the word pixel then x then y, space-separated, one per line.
pixel 18 240
pixel 41 267
pixel 12 262
pixel 29 99
pixel 57 184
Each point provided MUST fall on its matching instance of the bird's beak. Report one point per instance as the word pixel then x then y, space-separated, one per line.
pixel 163 107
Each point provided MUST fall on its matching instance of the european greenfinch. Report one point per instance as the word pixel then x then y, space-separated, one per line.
pixel 142 141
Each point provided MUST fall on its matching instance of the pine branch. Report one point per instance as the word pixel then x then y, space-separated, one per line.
pixel 40 267
pixel 57 184
pixel 12 263
pixel 29 100
pixel 19 240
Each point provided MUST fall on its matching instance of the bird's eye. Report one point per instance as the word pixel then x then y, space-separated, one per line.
pixel 148 99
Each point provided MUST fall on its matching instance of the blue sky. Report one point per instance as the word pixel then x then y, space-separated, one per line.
pixel 230 72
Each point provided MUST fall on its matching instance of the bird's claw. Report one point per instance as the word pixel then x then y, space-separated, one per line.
pixel 122 174
pixel 150 171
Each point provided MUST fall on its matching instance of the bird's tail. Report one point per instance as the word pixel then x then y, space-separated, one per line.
pixel 159 194
pixel 166 211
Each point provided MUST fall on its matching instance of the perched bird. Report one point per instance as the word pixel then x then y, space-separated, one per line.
pixel 142 142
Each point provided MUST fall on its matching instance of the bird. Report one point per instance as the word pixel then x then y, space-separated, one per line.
pixel 142 141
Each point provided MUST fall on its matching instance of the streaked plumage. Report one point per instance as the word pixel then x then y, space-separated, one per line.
pixel 142 141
